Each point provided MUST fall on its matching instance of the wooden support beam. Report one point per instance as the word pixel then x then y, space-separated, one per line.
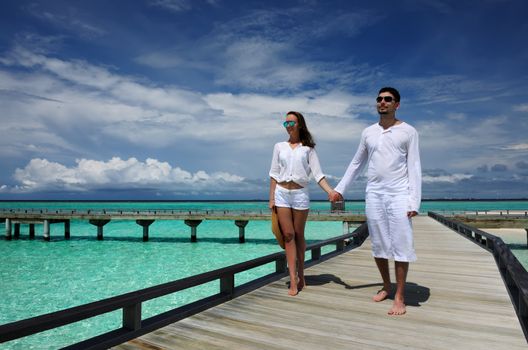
pixel 8 229
pixel 193 224
pixel 241 229
pixel 145 224
pixel 99 223
pixel 46 232
pixel 31 231
pixel 66 229
pixel 16 234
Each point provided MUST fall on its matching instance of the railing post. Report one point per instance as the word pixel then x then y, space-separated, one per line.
pixel 316 253
pixel 340 245
pixel 523 308
pixel 490 244
pixel 227 285
pixel 280 264
pixel 132 317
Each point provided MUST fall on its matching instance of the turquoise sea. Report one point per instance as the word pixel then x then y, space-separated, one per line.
pixel 38 277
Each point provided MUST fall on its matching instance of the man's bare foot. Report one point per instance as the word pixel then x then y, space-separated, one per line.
pixel 381 295
pixel 398 308
pixel 301 284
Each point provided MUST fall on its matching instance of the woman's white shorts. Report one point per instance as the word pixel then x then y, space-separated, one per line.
pixel 296 199
pixel 389 227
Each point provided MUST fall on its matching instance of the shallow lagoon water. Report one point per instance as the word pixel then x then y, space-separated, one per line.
pixel 40 277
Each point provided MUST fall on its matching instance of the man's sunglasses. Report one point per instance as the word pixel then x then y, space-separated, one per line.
pixel 384 98
pixel 290 123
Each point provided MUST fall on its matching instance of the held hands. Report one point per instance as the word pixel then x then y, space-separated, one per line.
pixel 410 214
pixel 335 196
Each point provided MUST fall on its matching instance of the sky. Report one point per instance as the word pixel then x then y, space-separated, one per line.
pixel 184 99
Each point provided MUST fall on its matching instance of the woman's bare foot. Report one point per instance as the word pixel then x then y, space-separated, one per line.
pixel 398 308
pixel 381 295
pixel 293 291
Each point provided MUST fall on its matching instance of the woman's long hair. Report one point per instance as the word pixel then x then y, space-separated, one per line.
pixel 304 133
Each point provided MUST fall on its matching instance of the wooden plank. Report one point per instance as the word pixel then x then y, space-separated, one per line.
pixel 456 300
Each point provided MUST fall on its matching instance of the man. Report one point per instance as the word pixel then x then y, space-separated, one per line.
pixel 389 149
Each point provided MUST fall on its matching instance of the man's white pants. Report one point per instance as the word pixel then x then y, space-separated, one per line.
pixel 389 227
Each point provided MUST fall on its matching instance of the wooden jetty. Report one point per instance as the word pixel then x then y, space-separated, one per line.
pixel 494 218
pixel 455 295
pixel 13 218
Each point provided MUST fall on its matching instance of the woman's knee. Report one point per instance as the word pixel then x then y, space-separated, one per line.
pixel 288 236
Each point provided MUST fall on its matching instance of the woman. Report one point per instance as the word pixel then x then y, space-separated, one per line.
pixel 292 163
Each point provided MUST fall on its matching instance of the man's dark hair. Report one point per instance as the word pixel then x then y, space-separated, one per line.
pixel 391 91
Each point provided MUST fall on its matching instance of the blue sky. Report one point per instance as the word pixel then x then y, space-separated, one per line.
pixel 181 99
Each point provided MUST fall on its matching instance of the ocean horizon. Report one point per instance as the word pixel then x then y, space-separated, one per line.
pixel 255 200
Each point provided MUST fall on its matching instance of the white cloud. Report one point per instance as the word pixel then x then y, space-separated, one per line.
pixel 457 116
pixel 521 108
pixel 56 97
pixel 264 50
pixel 466 145
pixel 43 175
pixel 450 89
pixel 67 18
pixel 64 109
pixel 516 147
pixel 451 178
pixel 257 63
pixel 348 23
pixel 172 5
pixel 160 60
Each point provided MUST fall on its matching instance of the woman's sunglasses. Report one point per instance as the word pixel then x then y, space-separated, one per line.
pixel 290 123
pixel 384 98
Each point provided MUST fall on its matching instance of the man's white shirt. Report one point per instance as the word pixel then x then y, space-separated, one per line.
pixel 393 164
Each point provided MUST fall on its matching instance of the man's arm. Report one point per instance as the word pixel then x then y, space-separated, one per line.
pixel 414 170
pixel 354 168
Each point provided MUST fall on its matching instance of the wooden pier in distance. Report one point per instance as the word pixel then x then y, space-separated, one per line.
pixel 13 218
pixel 495 219
pixel 455 299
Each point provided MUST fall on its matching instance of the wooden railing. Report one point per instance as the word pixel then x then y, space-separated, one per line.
pixel 130 303
pixel 513 273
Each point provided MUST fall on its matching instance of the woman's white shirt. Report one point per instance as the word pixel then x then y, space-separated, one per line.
pixel 295 164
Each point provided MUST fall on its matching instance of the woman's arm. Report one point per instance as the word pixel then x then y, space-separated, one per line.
pixel 274 174
pixel 315 166
pixel 325 186
pixel 273 184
